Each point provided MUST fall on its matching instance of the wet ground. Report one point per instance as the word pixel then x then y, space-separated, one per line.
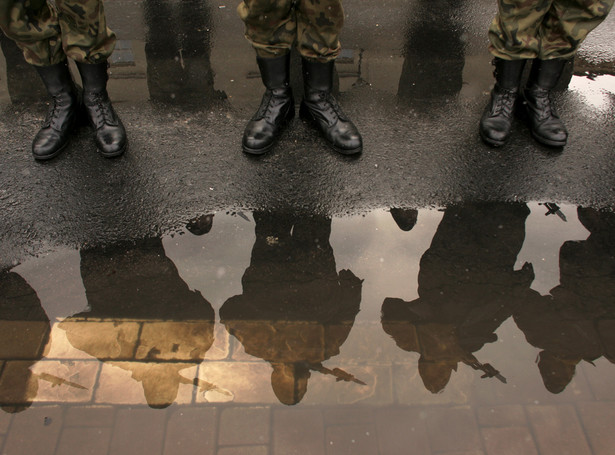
pixel 432 296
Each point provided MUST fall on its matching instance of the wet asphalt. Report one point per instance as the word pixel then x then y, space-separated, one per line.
pixel 414 77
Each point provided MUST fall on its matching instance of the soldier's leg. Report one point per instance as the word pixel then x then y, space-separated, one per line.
pixel 271 26
pixel 36 30
pixel 319 23
pixel 85 35
pixel 514 39
pixel 515 31
pixel 87 40
pixel 564 28
pixel 567 24
pixel 271 29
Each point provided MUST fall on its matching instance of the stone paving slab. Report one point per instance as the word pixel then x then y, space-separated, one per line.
pixel 245 450
pixel 137 431
pixel 191 430
pixel 400 428
pixel 452 429
pixel 359 439
pixel 598 420
pixel 86 441
pixel 509 441
pixel 244 426
pixel 34 431
pixel 230 429
pixel 557 430
pixel 298 432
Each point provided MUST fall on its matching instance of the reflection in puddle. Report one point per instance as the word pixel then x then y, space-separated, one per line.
pixel 597 91
pixel 399 307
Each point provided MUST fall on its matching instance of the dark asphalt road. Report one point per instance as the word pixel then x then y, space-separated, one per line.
pixel 414 83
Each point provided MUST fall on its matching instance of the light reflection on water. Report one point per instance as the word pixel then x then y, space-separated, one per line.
pixel 597 91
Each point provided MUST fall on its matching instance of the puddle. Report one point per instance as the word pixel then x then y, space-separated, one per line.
pixel 454 329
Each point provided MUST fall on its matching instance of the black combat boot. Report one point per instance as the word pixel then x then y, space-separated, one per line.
pixel 320 108
pixel 496 122
pixel 110 133
pixel 63 111
pixel 277 106
pixel 544 122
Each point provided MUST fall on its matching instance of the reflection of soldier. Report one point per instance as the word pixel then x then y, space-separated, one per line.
pixel 547 32
pixel 24 335
pixel 433 54
pixel 138 286
pixel 467 288
pixel 404 218
pixel 177 49
pixel 49 33
pixel 273 28
pixel 578 321
pixel 296 310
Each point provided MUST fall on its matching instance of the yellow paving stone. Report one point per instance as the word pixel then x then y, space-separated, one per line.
pixel 48 381
pixel 175 340
pixel 157 384
pixel 220 350
pixel 102 339
pixel 240 382
pixel 61 348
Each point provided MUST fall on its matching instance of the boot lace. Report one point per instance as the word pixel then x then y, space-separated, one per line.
pixel 543 106
pixel 331 106
pixel 53 114
pixel 265 107
pixel 504 102
pixel 103 111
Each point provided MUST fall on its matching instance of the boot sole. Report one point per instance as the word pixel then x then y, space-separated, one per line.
pixel 261 151
pixel 491 142
pixel 548 142
pixel 48 157
pixel 114 154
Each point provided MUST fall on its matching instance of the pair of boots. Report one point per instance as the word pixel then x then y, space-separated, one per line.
pixel 546 127
pixel 67 107
pixel 318 106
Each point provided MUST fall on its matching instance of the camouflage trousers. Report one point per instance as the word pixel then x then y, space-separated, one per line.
pixel 274 26
pixel 48 33
pixel 544 29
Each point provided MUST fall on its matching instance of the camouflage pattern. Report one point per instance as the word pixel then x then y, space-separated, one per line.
pixel 47 33
pixel 274 26
pixel 545 29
